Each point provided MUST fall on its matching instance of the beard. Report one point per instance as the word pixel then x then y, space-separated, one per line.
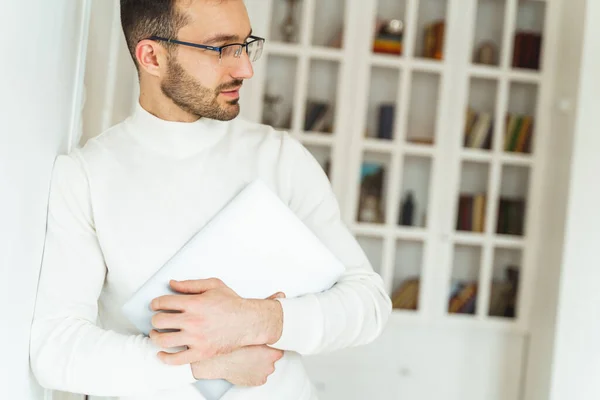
pixel 198 100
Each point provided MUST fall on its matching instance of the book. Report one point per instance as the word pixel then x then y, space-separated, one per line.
pixel 257 246
pixel 527 50
pixel 387 112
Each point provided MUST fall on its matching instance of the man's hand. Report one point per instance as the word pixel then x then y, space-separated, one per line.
pixel 211 319
pixel 247 366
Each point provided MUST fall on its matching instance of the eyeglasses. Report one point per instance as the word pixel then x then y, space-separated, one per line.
pixel 229 52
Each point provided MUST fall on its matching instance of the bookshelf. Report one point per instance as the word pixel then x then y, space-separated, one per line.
pixel 443 113
pixel 455 115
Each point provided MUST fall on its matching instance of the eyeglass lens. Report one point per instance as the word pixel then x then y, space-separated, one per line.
pixel 254 51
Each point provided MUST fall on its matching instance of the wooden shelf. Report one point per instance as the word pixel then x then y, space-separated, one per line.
pixel 517 159
pixel 451 322
pixel 497 73
pixel 476 155
pixel 509 242
pixel 316 52
pixel 427 65
pixel 411 233
pixel 326 53
pixel 487 156
pixel 480 239
pixel 417 64
pixel 283 49
pixel 370 230
pixel 379 145
pixel 389 146
pixel 315 138
pixel 481 322
pixel 387 60
pixel 419 150
pixel 525 76
pixel 469 238
pixel 398 232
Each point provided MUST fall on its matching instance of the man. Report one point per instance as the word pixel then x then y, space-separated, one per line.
pixel 127 201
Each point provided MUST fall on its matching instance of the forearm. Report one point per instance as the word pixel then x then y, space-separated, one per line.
pixel 73 355
pixel 352 313
pixel 268 321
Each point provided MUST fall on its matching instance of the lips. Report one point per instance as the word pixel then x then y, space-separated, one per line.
pixel 232 91
pixel 231 94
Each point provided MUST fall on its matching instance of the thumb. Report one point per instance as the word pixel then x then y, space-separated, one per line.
pixel 196 286
pixel 278 295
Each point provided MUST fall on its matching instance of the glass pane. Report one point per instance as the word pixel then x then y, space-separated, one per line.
pixel 479 122
pixel 520 118
pixel 323 155
pixel 416 177
pixel 373 188
pixel 505 283
pixel 322 94
pixel 527 45
pixel 422 115
pixel 280 84
pixel 382 107
pixel 489 32
pixel 328 26
pixel 431 29
pixel 373 248
pixel 287 21
pixel 407 275
pixel 389 27
pixel 513 199
pixel 472 200
pixel 465 280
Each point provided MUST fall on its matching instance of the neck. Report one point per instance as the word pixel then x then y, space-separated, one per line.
pixel 153 100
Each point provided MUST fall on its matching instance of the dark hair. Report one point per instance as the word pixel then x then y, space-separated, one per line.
pixel 141 19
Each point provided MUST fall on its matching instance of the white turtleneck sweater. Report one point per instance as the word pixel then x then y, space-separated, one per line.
pixel 124 203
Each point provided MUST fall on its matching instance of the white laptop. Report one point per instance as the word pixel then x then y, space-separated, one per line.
pixel 257 246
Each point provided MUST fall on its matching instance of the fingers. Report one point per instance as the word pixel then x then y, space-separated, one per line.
pixel 274 354
pixel 277 355
pixel 164 320
pixel 179 358
pixel 169 303
pixel 196 286
pixel 278 295
pixel 189 356
pixel 167 340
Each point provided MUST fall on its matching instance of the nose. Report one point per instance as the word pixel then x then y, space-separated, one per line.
pixel 243 68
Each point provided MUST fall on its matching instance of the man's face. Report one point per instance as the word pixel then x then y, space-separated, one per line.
pixel 196 80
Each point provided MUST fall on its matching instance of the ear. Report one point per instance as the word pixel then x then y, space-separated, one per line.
pixel 151 57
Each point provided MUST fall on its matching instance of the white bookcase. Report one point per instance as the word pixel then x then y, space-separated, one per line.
pixel 427 154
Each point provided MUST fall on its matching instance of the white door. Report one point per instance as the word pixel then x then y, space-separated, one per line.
pixel 43 53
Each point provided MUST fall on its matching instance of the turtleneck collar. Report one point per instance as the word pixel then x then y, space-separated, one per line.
pixel 178 139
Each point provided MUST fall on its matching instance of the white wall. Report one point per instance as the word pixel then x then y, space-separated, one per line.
pixel 576 366
pixel 564 356
pixel 42 46
pixel 110 74
pixel 566 69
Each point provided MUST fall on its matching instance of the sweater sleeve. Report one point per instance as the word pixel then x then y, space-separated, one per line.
pixel 68 351
pixel 355 311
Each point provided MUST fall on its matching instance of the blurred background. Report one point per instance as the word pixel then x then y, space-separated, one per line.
pixel 459 138
pixel 437 122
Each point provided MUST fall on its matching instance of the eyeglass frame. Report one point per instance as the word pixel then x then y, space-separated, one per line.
pixel 218 49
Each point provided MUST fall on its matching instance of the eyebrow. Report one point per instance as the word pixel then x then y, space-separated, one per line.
pixel 224 38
